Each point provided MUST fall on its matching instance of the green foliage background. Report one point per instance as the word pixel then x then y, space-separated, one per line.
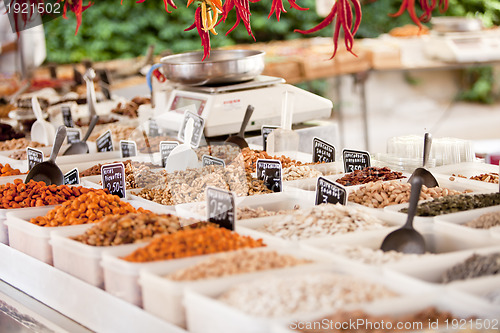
pixel 110 30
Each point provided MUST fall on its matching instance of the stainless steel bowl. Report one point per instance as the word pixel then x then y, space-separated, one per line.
pixel 223 67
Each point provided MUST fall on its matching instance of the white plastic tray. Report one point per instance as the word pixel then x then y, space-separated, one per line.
pixel 438 241
pixel 121 278
pixel 32 239
pixel 272 202
pixel 205 314
pixel 84 261
pixel 164 298
pixel 468 169
pixel 431 269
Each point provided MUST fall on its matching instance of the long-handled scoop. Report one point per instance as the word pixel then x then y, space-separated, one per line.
pixel 283 140
pixel 81 146
pixel 182 156
pixel 89 77
pixel 427 177
pixel 41 130
pixel 406 239
pixel 48 172
pixel 239 139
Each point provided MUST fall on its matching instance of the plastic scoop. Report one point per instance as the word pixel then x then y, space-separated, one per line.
pixel 81 147
pixel 428 179
pixel 41 130
pixel 239 139
pixel 406 239
pixel 284 141
pixel 48 172
pixel 183 157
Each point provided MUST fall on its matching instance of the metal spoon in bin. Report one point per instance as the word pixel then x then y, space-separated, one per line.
pixel 81 146
pixel 406 239
pixel 239 139
pixel 427 178
pixel 48 172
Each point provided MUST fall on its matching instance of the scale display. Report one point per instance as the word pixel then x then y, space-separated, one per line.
pixel 183 101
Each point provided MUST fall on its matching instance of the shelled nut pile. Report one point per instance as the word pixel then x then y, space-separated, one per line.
pixel 367 175
pixel 322 220
pixel 245 261
pixel 21 143
pixel 485 221
pixel 251 156
pixel 473 267
pixel 295 172
pixel 87 208
pixel 286 296
pixel 456 203
pixel 226 152
pixel 21 155
pixel 491 177
pixel 130 228
pixel 381 194
pixel 118 132
pixel 7 170
pixel 189 185
pixel 188 243
pixel 370 256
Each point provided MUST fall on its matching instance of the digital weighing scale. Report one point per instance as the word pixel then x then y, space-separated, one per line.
pixel 223 107
pixel 477 46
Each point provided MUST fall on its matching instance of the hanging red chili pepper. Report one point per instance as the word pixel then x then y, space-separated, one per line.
pixel 242 14
pixel 76 6
pixel 342 11
pixel 277 7
pixel 204 35
pixel 428 7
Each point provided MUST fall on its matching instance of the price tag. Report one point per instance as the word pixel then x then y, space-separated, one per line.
pixel 265 130
pixel 210 160
pixel 355 160
pixel 323 151
pixel 67 117
pixel 328 191
pixel 269 171
pixel 104 142
pixel 128 148
pixel 72 177
pixel 154 130
pixel 35 156
pixel 199 125
pixel 113 178
pixel 73 135
pixel 220 207
pixel 166 148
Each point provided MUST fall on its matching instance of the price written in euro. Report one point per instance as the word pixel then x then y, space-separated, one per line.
pixel 355 160
pixel 221 207
pixel 328 191
pixel 113 178
pixel 323 152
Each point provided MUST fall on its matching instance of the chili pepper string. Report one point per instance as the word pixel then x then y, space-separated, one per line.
pixel 342 11
pixel 166 2
pixel 242 14
pixel 204 35
pixel 76 6
pixel 427 6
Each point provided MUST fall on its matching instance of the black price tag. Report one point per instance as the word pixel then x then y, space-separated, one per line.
pixel 323 151
pixel 154 130
pixel 199 125
pixel 113 178
pixel 73 135
pixel 328 191
pixel 210 160
pixel 72 177
pixel 269 171
pixel 220 207
pixel 266 130
pixel 67 117
pixel 128 148
pixel 355 160
pixel 166 148
pixel 104 142
pixel 35 156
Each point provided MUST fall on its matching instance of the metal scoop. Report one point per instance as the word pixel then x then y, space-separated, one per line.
pixel 239 139
pixel 89 77
pixel 183 157
pixel 406 239
pixel 81 146
pixel 48 172
pixel 427 177
pixel 41 130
